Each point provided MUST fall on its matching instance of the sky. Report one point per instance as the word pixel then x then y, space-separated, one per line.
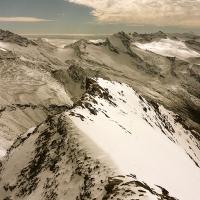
pixel 99 16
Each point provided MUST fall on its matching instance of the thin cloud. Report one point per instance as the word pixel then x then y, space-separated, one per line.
pixel 23 19
pixel 146 12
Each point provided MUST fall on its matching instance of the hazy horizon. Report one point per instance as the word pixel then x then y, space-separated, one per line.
pixel 55 17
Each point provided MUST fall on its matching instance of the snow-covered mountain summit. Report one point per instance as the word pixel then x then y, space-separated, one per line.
pixel 143 134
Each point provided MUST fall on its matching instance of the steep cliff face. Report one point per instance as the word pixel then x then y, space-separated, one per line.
pixel 114 119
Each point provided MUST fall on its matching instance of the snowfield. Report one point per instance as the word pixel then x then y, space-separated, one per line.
pixel 142 139
pixel 4 144
pixel 97 41
pixel 60 43
pixel 2 49
pixel 3 46
pixel 2 152
pixel 168 47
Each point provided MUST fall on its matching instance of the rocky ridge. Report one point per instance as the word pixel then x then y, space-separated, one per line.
pixel 7 36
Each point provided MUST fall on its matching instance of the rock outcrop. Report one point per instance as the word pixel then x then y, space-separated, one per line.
pixel 7 36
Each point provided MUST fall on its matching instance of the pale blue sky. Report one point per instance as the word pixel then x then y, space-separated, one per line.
pixel 63 17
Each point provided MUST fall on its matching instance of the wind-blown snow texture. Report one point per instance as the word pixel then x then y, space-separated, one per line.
pixel 141 138
pixel 168 47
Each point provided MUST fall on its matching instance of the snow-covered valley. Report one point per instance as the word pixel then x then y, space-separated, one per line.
pixel 168 47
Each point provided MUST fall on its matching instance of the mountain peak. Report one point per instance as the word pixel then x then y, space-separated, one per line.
pixel 7 36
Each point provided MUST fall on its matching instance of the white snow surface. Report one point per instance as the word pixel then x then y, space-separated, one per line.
pixel 3 46
pixel 26 59
pixel 135 138
pixel 2 152
pixel 5 144
pixel 168 47
pixel 97 41
pixel 60 43
pixel 2 49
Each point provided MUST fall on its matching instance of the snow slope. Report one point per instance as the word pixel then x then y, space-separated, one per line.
pixel 168 47
pixel 60 43
pixel 97 41
pixel 58 161
pixel 141 138
pixel 2 49
pixel 3 46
